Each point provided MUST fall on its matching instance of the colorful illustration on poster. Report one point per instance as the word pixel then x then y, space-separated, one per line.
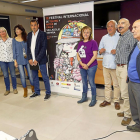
pixel 65 63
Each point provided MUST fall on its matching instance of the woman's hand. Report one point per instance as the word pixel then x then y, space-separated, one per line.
pixel 16 64
pixel 84 66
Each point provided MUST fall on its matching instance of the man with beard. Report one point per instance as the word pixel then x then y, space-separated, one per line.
pixel 134 79
pixel 125 45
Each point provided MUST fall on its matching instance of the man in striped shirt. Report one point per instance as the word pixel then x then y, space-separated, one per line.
pixel 125 45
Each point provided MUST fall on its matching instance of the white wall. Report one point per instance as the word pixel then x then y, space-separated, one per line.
pixel 15 9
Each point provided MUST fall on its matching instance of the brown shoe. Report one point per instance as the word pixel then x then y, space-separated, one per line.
pixel 32 88
pixel 15 91
pixel 121 114
pixel 126 121
pixel 105 103
pixel 7 92
pixel 25 92
pixel 117 106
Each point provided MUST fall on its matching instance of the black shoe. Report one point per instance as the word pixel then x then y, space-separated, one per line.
pixel 134 128
pixel 34 95
pixel 47 96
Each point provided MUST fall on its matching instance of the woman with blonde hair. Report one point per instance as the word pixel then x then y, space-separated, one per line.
pixel 20 56
pixel 6 60
pixel 87 55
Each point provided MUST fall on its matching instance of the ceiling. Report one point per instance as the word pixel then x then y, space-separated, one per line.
pixel 49 3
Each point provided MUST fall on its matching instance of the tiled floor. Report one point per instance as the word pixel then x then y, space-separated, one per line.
pixel 59 118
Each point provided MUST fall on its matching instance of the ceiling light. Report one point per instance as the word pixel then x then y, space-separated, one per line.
pixel 3 18
pixel 106 1
pixel 28 1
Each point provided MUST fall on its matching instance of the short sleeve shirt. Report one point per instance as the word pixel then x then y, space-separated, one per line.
pixel 85 50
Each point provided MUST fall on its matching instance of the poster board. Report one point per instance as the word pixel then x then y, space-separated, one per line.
pixel 63 26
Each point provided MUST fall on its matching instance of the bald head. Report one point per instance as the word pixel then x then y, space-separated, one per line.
pixel 136 29
pixel 137 21
pixel 123 25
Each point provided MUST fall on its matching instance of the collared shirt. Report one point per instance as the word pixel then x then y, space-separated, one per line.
pixel 6 52
pixel 109 43
pixel 33 44
pixel 138 44
pixel 124 47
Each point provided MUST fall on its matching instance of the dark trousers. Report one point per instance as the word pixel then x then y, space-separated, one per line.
pixel 134 98
pixel 45 77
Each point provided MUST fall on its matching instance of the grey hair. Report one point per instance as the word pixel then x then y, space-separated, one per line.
pixel 113 22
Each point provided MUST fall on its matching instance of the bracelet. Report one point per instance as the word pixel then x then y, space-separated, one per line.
pixel 87 65
pixel 79 61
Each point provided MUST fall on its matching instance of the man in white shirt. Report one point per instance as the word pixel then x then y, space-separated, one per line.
pixel 36 53
pixel 107 49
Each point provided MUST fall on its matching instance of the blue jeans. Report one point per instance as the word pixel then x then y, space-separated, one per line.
pixel 91 75
pixel 4 68
pixel 22 74
pixel 45 77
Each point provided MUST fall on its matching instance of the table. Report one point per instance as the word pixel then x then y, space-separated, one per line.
pixel 4 136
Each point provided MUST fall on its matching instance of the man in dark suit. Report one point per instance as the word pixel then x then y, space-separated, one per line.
pixel 36 52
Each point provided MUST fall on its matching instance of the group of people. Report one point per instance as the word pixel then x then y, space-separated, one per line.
pixel 121 58
pixel 24 51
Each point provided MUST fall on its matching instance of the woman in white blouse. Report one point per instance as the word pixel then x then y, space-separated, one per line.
pixel 6 60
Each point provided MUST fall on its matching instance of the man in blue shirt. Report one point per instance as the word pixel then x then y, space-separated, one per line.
pixel 134 79
pixel 107 48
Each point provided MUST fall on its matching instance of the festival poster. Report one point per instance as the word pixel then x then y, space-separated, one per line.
pixel 63 34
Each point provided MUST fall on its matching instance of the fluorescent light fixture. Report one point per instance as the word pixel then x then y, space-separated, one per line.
pixel 28 1
pixel 3 18
pixel 106 1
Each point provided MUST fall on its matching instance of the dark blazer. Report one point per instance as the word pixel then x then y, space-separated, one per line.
pixel 40 48
pixel 137 61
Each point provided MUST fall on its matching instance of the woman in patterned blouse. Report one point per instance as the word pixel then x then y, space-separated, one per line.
pixel 6 60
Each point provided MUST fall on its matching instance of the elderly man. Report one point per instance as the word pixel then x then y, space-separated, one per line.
pixel 125 45
pixel 134 79
pixel 107 49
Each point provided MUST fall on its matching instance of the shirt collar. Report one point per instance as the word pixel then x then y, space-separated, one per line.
pixel 127 32
pixel 36 32
pixel 114 34
pixel 5 40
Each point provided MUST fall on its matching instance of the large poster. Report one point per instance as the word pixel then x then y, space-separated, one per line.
pixel 63 34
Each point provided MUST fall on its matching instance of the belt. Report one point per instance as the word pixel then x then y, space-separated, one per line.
pixel 120 65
